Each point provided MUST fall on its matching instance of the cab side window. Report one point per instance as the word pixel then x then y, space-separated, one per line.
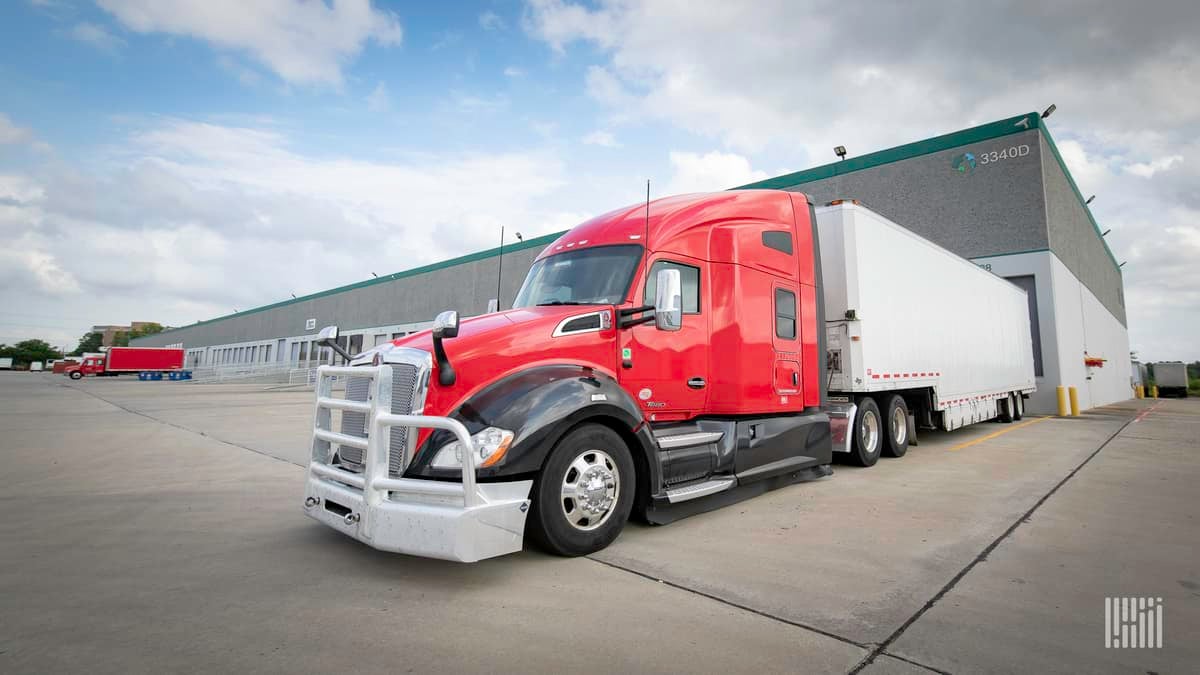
pixel 785 314
pixel 690 282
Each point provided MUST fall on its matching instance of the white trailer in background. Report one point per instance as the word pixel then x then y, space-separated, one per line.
pixel 1171 378
pixel 912 328
pixel 6 363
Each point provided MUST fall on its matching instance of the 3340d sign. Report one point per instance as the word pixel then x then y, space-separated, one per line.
pixel 965 162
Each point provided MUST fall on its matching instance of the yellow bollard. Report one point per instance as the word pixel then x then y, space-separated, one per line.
pixel 1139 391
pixel 1154 391
pixel 1074 402
pixel 1062 401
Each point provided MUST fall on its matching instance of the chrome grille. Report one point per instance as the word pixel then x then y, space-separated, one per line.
pixel 404 387
pixel 354 423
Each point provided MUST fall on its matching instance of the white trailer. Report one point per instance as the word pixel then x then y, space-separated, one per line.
pixel 6 363
pixel 1171 378
pixel 913 329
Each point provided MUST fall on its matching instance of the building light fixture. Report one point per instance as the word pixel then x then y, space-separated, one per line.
pixel 840 151
pixel 1049 111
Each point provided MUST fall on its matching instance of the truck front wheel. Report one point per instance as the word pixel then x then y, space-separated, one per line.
pixel 76 375
pixel 584 493
pixel 868 434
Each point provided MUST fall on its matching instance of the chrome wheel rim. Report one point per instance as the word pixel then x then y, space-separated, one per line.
pixel 899 426
pixel 869 434
pixel 590 489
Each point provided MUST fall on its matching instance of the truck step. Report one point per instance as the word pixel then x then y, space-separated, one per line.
pixel 688 440
pixel 708 487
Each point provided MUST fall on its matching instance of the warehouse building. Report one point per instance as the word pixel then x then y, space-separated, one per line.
pixel 998 194
pixel 367 313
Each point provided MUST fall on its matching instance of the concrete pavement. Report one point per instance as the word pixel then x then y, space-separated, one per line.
pixel 157 526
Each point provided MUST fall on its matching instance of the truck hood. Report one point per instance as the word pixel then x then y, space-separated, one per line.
pixel 523 333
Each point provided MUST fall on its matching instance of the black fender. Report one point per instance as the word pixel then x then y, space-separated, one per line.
pixel 539 406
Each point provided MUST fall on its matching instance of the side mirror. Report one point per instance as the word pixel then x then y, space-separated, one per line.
pixel 668 300
pixel 446 324
pixel 328 334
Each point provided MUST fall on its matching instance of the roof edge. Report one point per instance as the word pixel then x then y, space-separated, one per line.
pixel 983 132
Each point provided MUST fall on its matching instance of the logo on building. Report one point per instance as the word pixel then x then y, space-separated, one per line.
pixel 964 163
pixel 1133 623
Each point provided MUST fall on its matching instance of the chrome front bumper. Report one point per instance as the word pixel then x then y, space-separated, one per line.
pixel 464 521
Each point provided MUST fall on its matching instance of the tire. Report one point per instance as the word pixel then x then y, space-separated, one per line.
pixel 868 434
pixel 1005 409
pixel 566 525
pixel 1019 407
pixel 896 419
pixel 76 375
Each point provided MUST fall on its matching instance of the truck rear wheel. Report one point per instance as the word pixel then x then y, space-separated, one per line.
pixel 897 427
pixel 1018 406
pixel 583 496
pixel 76 375
pixel 868 434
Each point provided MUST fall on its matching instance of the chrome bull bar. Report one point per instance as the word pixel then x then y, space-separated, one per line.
pixel 463 521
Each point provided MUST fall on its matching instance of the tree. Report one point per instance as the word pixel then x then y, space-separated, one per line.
pixel 122 339
pixel 28 351
pixel 90 342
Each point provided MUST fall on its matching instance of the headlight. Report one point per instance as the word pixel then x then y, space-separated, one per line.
pixel 489 446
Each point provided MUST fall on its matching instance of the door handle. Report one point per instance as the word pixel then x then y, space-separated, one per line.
pixel 795 379
pixel 696 383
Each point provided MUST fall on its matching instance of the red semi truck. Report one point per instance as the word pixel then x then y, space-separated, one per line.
pixel 120 360
pixel 660 360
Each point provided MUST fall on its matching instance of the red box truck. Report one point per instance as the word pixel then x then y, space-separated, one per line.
pixel 129 360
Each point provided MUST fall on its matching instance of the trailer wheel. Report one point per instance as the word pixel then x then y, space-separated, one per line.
pixel 868 434
pixel 1018 406
pixel 1005 409
pixel 76 375
pixel 584 494
pixel 897 427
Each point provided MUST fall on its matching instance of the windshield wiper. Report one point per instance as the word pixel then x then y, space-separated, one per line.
pixel 558 302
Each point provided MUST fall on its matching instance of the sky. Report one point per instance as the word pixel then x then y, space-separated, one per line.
pixel 177 160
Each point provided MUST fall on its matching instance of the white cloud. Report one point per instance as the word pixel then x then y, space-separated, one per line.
pixel 97 36
pixel 1148 169
pixel 11 133
pixel 710 172
pixel 491 21
pixel 302 41
pixel 513 71
pixel 604 139
pixel 188 220
pixel 379 100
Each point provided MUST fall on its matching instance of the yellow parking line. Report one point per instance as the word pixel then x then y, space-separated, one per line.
pixel 992 435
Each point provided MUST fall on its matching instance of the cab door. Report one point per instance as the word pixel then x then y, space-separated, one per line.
pixel 667 372
pixel 785 338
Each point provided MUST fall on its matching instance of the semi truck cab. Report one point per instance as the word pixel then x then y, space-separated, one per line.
pixel 659 360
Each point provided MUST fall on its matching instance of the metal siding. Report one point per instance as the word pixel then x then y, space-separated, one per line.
pixel 1075 241
pixel 465 287
pixel 997 208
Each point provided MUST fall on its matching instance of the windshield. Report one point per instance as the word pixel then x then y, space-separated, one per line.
pixel 590 276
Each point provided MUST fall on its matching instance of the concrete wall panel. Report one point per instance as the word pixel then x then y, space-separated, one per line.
pixel 1075 240
pixel 995 207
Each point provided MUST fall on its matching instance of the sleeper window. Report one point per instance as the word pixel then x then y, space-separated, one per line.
pixel 785 314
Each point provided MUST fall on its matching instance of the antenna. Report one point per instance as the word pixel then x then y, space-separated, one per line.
pixel 499 268
pixel 646 232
